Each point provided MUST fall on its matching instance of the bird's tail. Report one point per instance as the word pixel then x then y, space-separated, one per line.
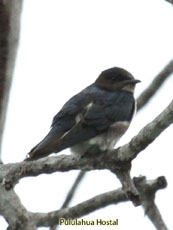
pixel 48 145
pixel 35 154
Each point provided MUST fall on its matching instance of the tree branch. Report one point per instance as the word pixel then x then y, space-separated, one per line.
pixel 86 207
pixel 71 193
pixel 147 190
pixel 155 85
pixel 73 188
pixel 170 1
pixel 10 12
pixel 107 160
pixel 14 212
pixel 129 188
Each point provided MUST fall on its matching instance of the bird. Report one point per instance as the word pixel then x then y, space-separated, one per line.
pixel 94 119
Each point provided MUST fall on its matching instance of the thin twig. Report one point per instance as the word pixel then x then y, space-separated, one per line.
pixel 170 1
pixel 73 189
pixel 71 193
pixel 155 85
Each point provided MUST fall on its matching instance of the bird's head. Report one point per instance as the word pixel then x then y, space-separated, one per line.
pixel 116 78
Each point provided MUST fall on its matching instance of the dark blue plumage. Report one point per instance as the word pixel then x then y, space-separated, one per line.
pixel 98 115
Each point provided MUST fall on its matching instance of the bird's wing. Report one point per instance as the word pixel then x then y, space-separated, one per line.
pixel 99 116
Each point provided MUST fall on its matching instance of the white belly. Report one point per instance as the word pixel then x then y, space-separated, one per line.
pixel 105 141
pixel 109 139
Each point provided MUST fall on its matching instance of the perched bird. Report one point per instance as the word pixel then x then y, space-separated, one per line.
pixel 96 117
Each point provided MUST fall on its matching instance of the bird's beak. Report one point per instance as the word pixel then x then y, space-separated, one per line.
pixel 133 81
pixel 136 81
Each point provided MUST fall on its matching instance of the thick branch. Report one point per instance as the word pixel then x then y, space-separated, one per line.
pixel 108 160
pixel 155 85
